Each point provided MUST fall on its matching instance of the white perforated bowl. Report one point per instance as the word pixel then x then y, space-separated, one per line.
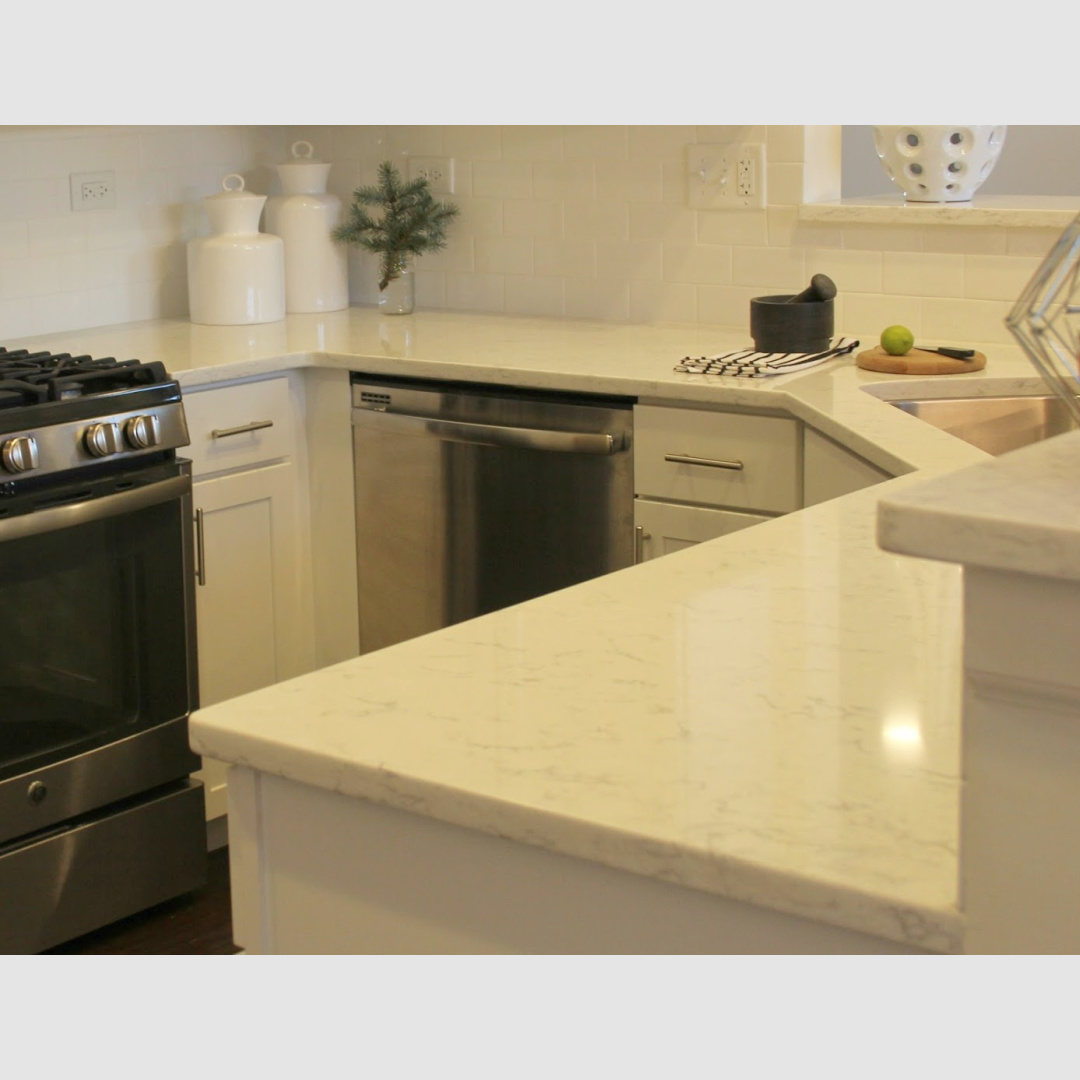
pixel 944 163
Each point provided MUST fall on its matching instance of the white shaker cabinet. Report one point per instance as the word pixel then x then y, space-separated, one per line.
pixel 248 532
pixel 255 623
pixel 661 528
pixel 700 474
pixel 830 470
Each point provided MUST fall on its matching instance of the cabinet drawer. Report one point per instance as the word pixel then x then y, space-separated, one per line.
pixel 746 461
pixel 239 426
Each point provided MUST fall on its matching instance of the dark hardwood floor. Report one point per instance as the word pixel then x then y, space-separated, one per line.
pixel 199 923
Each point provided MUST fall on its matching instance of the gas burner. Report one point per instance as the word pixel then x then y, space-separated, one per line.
pixel 28 378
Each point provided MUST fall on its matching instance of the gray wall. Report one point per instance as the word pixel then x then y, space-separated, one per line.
pixel 1035 160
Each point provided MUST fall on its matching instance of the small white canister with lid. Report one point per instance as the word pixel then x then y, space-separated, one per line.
pixel 236 275
pixel 305 216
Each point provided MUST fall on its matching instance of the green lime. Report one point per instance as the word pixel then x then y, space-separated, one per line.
pixel 897 340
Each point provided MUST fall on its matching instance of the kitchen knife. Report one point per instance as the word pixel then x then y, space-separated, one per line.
pixel 956 354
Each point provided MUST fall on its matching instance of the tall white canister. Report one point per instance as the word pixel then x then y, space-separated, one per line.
pixel 305 216
pixel 236 275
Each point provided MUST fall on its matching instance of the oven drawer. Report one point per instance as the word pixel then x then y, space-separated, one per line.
pixel 736 460
pixel 59 885
pixel 239 426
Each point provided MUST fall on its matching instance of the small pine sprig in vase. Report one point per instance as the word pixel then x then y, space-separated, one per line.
pixel 412 221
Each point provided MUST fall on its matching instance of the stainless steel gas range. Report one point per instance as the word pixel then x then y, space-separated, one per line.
pixel 98 815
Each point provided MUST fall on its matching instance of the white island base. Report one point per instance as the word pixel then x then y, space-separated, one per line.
pixel 315 872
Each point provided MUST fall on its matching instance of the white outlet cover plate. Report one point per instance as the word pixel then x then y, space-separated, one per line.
pixel 106 202
pixel 712 176
pixel 438 170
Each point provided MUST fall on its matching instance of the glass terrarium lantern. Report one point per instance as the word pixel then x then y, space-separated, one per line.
pixel 1046 319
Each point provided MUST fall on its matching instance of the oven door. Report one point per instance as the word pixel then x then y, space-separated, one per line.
pixel 97 643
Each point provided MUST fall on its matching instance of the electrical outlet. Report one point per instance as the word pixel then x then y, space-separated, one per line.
pixel 438 172
pixel 750 176
pixel 93 191
pixel 726 176
pixel 745 185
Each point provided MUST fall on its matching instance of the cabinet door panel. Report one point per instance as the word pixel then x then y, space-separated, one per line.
pixel 249 620
pixel 668 527
pixel 237 645
pixel 831 470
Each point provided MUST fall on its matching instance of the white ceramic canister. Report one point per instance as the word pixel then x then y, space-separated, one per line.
pixel 304 216
pixel 236 275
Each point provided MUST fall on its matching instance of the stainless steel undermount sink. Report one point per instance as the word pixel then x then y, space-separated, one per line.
pixel 995 424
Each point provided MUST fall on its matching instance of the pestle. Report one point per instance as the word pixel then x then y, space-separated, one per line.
pixel 821 288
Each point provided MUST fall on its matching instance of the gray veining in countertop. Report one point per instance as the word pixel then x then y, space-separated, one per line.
pixel 772 716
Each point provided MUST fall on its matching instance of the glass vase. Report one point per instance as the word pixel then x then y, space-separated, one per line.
pixel 399 296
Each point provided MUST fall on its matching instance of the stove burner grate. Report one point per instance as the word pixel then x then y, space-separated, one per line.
pixel 28 378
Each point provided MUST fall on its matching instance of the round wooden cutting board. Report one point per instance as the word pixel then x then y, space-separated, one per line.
pixel 917 362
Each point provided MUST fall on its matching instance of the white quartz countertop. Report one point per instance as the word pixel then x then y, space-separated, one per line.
pixel 1015 513
pixel 772 716
pixel 566 354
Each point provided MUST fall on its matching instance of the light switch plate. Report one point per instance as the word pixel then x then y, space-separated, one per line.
pixel 725 176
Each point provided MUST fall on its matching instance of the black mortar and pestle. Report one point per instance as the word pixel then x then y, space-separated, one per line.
pixel 799 323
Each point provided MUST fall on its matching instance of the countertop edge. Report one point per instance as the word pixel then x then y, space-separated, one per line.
pixel 938 930
pixel 1010 513
pixel 1016 212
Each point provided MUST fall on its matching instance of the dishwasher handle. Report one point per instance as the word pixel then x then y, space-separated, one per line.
pixel 463 431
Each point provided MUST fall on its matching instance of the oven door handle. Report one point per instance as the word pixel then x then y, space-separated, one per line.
pixel 69 515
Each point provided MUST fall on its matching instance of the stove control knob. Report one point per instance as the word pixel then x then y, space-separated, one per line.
pixel 103 439
pixel 20 454
pixel 142 432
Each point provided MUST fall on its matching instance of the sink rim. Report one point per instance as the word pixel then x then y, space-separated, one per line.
pixel 994 423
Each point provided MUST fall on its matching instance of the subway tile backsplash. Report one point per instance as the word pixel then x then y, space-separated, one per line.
pixel 61 269
pixel 586 221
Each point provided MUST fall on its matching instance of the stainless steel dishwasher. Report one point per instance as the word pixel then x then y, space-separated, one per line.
pixel 471 498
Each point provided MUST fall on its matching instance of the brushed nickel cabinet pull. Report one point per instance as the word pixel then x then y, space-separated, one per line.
pixel 640 536
pixel 200 550
pixel 255 425
pixel 712 463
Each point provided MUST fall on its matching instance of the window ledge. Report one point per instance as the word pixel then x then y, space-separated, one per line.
pixel 1013 211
